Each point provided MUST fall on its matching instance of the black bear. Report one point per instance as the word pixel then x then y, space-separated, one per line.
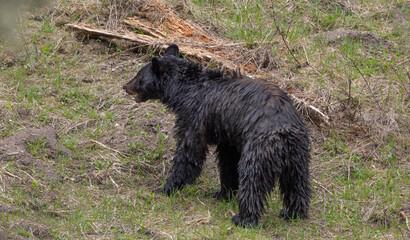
pixel 260 138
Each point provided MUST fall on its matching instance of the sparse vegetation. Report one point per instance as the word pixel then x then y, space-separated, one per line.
pixel 120 151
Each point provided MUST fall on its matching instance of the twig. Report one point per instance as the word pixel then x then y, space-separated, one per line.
pixel 202 220
pixel 105 146
pixel 112 180
pixel 307 58
pixel 406 220
pixel 11 175
pixel 310 110
pixel 365 80
pixel 164 233
pixel 57 47
pixel 348 168
pixel 397 74
pixel 284 41
pixel 77 125
pixel 200 202
pixel 34 180
pixel 320 185
pixel 1 188
pixel 229 212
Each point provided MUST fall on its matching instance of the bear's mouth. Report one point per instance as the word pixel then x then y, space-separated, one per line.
pixel 137 98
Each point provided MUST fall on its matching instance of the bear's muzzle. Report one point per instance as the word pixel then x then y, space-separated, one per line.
pixel 137 97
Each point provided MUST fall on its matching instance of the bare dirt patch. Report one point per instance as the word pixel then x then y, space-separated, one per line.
pixel 26 228
pixel 367 38
pixel 5 208
pixel 14 148
pixel 38 230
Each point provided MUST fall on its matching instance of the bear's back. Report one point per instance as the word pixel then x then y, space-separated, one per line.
pixel 231 108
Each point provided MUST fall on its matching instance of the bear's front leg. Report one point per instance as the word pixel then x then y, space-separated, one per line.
pixel 187 163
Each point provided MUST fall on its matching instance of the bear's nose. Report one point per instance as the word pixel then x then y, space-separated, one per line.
pixel 124 87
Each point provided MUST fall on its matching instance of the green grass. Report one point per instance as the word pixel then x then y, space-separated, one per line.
pixel 121 151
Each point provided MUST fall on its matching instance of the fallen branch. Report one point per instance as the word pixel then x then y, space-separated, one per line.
pixel 126 35
pixel 190 52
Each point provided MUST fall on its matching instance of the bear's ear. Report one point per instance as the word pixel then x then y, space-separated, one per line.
pixel 158 67
pixel 172 50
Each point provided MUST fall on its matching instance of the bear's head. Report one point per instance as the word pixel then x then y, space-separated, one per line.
pixel 150 80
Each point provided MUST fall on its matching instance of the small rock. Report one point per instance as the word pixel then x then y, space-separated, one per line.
pixel 9 61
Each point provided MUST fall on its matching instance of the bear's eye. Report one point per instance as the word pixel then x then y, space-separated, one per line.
pixel 140 83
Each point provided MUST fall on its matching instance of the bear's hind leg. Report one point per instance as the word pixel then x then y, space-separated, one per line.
pixel 257 176
pixel 295 189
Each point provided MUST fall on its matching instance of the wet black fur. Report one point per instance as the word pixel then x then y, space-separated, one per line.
pixel 260 138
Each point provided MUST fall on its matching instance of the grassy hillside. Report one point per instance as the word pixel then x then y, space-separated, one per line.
pixel 92 169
